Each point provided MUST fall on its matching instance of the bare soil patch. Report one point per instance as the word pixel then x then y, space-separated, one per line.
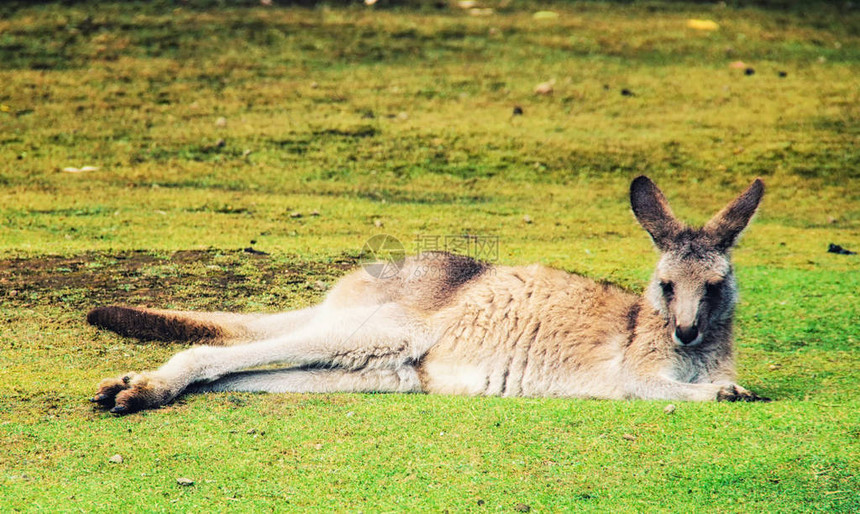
pixel 213 279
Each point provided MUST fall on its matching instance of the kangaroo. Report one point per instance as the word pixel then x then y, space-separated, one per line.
pixel 449 324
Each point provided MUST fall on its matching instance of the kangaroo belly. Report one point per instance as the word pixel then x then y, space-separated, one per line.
pixel 530 332
pixel 534 370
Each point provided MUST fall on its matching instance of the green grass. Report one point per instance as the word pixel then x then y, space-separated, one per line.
pixel 398 120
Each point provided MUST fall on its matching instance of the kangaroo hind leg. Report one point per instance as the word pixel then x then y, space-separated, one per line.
pixel 316 380
pixel 381 337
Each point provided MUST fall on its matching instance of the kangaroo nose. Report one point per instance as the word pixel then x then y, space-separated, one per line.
pixel 687 334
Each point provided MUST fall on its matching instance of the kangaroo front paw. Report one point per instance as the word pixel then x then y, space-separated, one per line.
pixel 736 393
pixel 131 393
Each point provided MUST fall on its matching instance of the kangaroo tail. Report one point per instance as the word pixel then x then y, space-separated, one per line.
pixel 168 325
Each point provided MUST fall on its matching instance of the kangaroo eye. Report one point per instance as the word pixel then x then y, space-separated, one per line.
pixel 713 290
pixel 668 289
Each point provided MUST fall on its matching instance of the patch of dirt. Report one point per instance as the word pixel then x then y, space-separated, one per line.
pixel 211 279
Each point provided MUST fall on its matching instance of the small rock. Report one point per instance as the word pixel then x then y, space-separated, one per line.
pixel 350 414
pixel 295 214
pixel 774 367
pixel 315 212
pixel 319 285
pixel 522 507
pixel 627 92
pixel 749 71
pixel 527 219
pixel 378 223
pixel 782 74
pixel 669 409
pixel 545 88
pixel 184 481
pixel 221 122
pixel 220 143
pixel 116 459
pixel 832 220
pixel 314 85
pixel 246 153
pixel 403 116
pixel 480 502
pixel 518 111
pixel 629 437
pixel 13 292
pixel 252 431
pixel 318 446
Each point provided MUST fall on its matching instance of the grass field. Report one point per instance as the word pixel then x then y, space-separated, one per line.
pixel 302 132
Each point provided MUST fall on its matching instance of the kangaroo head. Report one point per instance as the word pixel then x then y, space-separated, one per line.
pixel 694 286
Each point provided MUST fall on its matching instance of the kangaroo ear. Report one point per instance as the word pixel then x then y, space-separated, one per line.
pixel 653 213
pixel 727 225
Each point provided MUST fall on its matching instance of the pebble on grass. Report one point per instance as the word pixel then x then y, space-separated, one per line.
pixel 670 409
pixel 545 88
pixel 116 459
pixel 184 481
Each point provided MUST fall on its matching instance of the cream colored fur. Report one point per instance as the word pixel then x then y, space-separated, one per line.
pixel 446 324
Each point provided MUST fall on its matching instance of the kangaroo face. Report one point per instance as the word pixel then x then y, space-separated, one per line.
pixel 693 292
pixel 693 287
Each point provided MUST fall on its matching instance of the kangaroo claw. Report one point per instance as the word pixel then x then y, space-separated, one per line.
pixel 736 393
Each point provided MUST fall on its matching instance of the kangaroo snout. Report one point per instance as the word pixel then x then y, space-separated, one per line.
pixel 687 335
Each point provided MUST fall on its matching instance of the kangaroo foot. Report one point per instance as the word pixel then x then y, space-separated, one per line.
pixel 736 393
pixel 131 393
